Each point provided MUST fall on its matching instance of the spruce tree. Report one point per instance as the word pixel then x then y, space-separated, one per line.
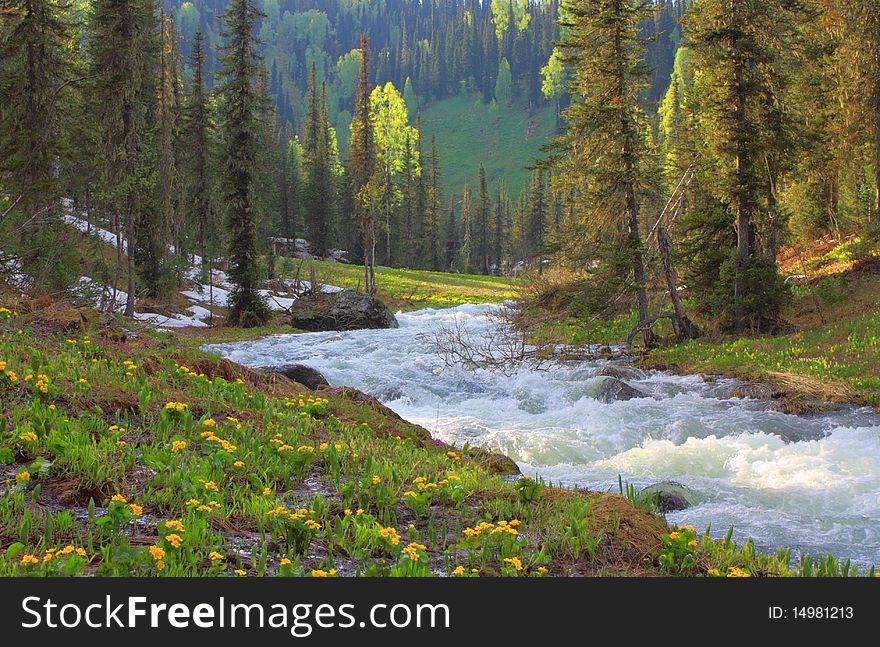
pixel 537 222
pixel 363 167
pixel 738 46
pixel 600 153
pixel 320 191
pixel 36 70
pixel 195 137
pixel 499 226
pixel 481 225
pixel 430 248
pixel 170 224
pixel 125 60
pixel 240 105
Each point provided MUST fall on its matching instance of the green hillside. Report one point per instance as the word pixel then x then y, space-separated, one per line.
pixel 506 138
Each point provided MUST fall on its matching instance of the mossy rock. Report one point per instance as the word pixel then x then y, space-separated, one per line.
pixel 494 462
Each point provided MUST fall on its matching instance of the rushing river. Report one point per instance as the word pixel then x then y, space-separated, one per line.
pixel 811 483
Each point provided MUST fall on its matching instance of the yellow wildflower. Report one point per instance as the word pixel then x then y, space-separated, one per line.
pixel 515 562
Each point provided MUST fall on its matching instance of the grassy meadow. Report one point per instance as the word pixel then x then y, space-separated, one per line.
pixel 408 289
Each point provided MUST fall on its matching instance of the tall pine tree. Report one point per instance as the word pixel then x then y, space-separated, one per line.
pixel 241 104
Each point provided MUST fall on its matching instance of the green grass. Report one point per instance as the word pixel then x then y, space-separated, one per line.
pixel 840 361
pixel 506 138
pixel 411 289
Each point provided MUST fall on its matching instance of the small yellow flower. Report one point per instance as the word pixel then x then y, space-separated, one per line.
pixel 174 525
pixel 210 485
pixel 29 559
pixel 136 510
pixel 459 571
pixel 515 562
pixel 240 572
pixel 674 535
pixel 267 491
pixel 157 552
pixel 376 480
pixel 177 445
pixel 23 477
pixel 319 573
pixel 733 571
pixel 214 555
pixel 285 562
pixel 238 464
pixel 174 539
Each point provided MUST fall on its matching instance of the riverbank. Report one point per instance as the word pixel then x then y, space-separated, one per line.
pixel 151 458
pixel 830 350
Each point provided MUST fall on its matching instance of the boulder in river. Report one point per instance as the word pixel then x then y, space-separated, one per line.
pixel 301 374
pixel 670 496
pixel 344 310
pixel 612 389
pixel 621 372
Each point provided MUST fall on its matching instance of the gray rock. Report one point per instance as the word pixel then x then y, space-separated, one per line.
pixel 753 391
pixel 305 375
pixel 670 496
pixel 621 372
pixel 612 390
pixel 345 310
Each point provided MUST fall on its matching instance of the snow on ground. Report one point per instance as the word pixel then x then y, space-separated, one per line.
pixel 199 295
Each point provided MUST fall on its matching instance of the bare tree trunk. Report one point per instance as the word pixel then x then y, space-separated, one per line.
pixel 132 284
pixel 682 326
pixel 877 139
pixel 743 204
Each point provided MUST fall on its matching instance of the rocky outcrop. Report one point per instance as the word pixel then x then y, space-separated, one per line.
pixel 612 389
pixel 345 310
pixel 670 496
pixel 301 374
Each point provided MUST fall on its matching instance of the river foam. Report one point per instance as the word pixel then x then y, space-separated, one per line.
pixel 810 483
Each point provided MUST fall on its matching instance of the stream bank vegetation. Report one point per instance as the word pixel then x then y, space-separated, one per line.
pixel 127 454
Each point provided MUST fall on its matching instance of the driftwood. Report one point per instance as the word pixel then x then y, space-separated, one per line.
pixel 505 349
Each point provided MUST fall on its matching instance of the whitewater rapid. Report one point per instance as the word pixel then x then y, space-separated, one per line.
pixel 810 483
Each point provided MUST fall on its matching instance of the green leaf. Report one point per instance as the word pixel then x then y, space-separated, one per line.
pixel 14 549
